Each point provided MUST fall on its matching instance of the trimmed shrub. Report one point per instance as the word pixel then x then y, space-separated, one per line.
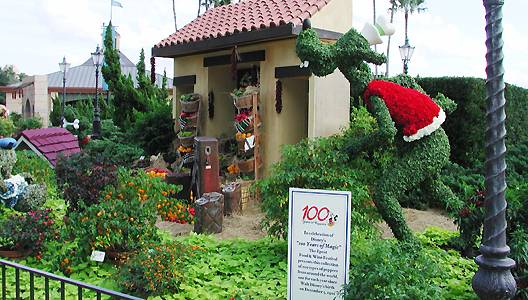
pixel 154 130
pixel 113 152
pixel 321 164
pixel 466 126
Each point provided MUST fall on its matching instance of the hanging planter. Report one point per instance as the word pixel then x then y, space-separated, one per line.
pixel 188 120
pixel 190 103
pixel 186 138
pixel 243 97
pixel 246 165
pixel 244 122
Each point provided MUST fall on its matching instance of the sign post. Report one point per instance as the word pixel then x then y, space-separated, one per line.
pixel 318 243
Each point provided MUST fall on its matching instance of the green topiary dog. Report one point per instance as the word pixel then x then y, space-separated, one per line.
pixel 400 109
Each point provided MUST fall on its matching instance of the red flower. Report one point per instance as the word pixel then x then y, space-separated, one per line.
pixel 464 212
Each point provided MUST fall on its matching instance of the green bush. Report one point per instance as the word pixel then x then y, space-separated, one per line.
pixel 321 164
pixel 389 270
pixel 7 128
pixel 39 169
pixel 113 152
pixel 123 218
pixel 154 130
pixel 384 269
pixel 157 269
pixel 28 123
pixel 466 126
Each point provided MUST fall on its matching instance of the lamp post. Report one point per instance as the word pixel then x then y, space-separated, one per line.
pixel 64 67
pixel 406 52
pixel 96 58
pixel 493 279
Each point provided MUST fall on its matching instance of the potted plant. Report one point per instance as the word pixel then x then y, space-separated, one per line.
pixel 188 120
pixel 243 97
pixel 190 103
pixel 241 142
pixel 186 137
pixel 21 235
pixel 244 121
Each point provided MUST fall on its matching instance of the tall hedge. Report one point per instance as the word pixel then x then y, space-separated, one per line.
pixel 466 126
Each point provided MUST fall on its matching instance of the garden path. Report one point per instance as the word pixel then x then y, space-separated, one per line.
pixel 418 220
pixel 247 225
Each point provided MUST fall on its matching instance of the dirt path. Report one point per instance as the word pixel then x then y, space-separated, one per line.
pixel 247 225
pixel 418 220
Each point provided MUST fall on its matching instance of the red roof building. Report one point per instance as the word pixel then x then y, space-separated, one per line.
pixel 254 41
pixel 244 16
pixel 48 143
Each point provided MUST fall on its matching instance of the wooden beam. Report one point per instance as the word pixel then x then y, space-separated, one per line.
pixel 221 60
pixel 212 44
pixel 184 80
pixel 292 71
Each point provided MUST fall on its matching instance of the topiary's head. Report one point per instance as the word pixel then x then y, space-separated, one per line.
pixel 319 57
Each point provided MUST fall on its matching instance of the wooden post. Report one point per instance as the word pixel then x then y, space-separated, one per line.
pixel 256 121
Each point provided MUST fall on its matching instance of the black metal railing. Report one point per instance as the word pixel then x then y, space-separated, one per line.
pixel 58 285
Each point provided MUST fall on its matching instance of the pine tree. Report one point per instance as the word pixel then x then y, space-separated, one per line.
pixel 112 67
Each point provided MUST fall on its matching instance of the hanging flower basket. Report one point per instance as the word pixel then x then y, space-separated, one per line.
pixel 244 101
pixel 244 125
pixel 188 120
pixel 246 166
pixel 186 140
pixel 190 103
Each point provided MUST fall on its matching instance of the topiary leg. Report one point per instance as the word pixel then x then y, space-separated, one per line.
pixel 424 159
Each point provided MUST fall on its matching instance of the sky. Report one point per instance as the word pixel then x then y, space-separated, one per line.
pixel 449 35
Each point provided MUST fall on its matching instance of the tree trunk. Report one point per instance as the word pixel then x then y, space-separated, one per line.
pixel 174 12
pixel 374 22
pixel 393 8
pixel 199 7
pixel 406 23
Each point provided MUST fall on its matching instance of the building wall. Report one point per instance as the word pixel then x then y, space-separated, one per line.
pixel 335 16
pixel 41 103
pixel 14 104
pixel 329 110
pixel 277 129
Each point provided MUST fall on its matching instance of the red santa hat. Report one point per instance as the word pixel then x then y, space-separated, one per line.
pixel 416 113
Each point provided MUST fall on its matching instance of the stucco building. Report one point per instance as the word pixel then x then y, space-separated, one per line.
pixel 261 34
pixel 33 97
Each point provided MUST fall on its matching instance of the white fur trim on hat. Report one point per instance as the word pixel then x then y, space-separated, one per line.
pixel 371 34
pixel 427 130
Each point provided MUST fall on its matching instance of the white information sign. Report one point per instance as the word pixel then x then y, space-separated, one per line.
pixel 318 243
pixel 97 256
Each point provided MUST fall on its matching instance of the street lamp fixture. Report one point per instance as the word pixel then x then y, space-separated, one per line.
pixel 64 67
pixel 406 52
pixel 97 58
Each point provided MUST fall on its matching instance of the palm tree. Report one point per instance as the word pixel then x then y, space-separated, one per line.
pixel 408 7
pixel 174 12
pixel 211 4
pixel 374 22
pixel 392 11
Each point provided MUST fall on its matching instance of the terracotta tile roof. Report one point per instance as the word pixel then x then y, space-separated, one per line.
pixel 52 141
pixel 246 15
